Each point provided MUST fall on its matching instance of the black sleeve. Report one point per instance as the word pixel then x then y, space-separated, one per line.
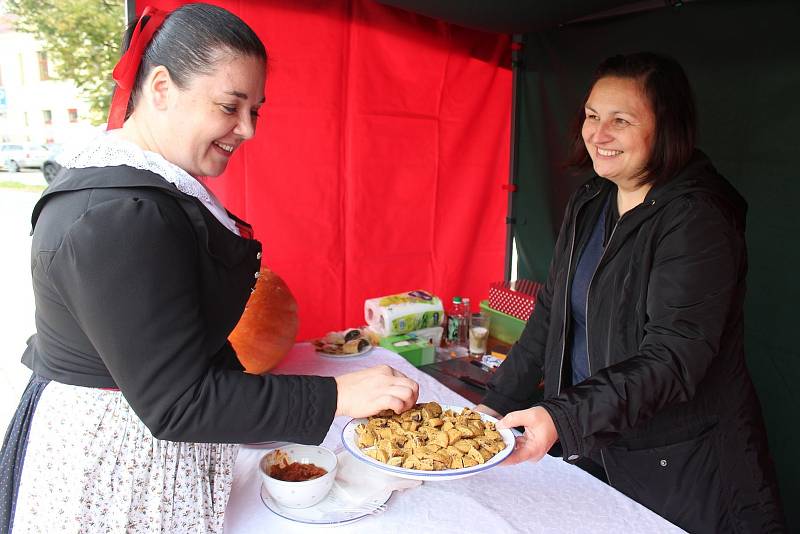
pixel 226 358
pixel 697 268
pixel 127 272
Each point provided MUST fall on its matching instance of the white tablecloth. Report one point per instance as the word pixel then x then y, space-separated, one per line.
pixel 549 496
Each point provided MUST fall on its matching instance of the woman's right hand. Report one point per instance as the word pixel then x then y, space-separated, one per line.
pixel 540 434
pixel 365 393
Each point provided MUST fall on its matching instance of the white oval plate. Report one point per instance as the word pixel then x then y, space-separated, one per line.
pixel 349 442
pixel 346 356
pixel 327 513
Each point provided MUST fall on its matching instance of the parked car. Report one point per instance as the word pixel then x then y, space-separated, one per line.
pixel 50 167
pixel 15 156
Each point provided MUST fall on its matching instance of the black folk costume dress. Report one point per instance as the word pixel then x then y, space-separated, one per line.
pixel 137 398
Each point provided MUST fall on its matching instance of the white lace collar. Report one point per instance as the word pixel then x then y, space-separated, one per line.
pixel 108 150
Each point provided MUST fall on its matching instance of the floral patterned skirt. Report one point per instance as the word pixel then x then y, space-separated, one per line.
pixel 91 465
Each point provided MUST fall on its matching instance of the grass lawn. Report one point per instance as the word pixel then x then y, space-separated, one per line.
pixel 7 184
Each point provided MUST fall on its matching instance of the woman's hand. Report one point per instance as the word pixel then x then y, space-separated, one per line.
pixel 540 434
pixel 488 411
pixel 367 392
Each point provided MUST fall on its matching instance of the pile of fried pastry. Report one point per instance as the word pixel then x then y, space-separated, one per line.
pixel 428 438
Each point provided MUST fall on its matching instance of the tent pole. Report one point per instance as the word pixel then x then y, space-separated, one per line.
pixel 627 9
pixel 516 64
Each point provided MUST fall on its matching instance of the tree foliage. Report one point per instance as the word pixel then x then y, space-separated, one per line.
pixel 82 40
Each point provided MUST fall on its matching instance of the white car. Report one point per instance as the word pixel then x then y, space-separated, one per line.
pixel 15 156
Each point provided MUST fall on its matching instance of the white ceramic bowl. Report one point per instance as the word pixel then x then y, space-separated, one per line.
pixel 300 494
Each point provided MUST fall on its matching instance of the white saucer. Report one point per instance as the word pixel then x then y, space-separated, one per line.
pixel 326 513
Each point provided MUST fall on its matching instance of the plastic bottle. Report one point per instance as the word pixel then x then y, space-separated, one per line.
pixel 454 315
pixel 456 321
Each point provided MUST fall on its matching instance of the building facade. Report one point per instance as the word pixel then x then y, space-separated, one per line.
pixel 35 106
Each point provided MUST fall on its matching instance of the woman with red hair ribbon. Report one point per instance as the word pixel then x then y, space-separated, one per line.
pixel 137 399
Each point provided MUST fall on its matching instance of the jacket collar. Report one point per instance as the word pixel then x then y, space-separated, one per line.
pixel 224 245
pixel 698 176
pixel 99 178
pixel 123 177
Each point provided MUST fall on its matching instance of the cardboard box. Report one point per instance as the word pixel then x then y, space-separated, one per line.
pixel 416 350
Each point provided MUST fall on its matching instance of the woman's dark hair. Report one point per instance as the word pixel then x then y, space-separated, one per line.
pixel 190 41
pixel 667 89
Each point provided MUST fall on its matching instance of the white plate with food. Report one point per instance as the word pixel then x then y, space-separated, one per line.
pixel 421 444
pixel 349 343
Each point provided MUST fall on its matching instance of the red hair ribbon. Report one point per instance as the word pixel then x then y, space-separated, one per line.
pixel 128 64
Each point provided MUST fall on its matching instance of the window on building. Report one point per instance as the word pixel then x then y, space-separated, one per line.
pixel 73 114
pixel 47 116
pixel 44 71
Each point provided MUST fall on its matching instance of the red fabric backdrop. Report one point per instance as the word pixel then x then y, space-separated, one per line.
pixel 380 155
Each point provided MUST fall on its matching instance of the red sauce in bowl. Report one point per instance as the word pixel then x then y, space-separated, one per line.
pixel 296 472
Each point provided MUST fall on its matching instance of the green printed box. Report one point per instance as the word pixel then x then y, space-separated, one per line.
pixel 417 351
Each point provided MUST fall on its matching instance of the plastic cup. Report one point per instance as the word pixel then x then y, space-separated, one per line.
pixel 478 334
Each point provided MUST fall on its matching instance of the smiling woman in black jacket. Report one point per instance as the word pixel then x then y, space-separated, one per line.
pixel 638 331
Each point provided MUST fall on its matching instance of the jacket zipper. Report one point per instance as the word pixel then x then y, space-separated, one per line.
pixel 564 323
pixel 588 353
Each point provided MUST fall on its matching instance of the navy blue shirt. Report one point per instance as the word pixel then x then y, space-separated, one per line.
pixel 587 264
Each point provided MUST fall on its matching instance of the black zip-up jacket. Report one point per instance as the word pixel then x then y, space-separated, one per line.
pixel 669 409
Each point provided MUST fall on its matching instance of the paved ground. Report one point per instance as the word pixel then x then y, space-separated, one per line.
pixel 16 313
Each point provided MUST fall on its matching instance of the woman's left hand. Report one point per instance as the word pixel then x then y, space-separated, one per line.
pixel 540 434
